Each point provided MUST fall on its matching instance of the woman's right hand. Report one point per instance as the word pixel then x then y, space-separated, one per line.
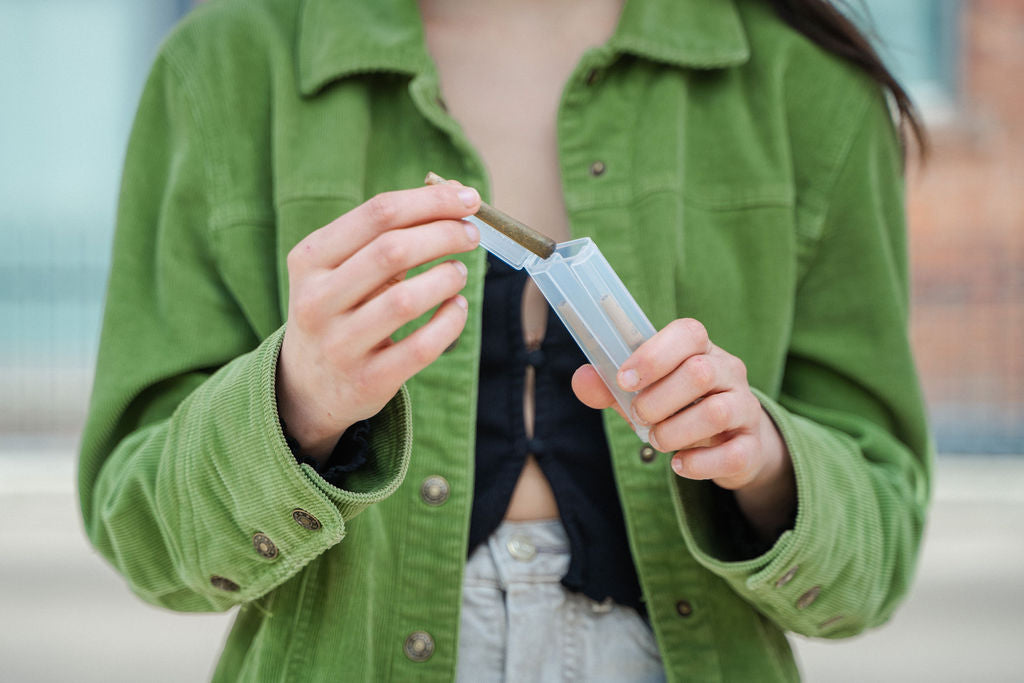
pixel 348 295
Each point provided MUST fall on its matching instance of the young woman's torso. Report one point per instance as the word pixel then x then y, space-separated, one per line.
pixel 526 52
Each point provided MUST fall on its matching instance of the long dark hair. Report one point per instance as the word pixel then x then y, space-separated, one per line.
pixel 828 25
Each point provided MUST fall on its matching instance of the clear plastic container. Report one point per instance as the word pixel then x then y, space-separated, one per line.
pixel 589 299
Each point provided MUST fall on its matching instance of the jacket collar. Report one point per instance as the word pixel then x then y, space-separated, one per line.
pixel 339 38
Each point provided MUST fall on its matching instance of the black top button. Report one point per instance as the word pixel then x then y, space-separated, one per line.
pixel 535 446
pixel 597 168
pixel 305 520
pixel 223 583
pixel 535 358
pixel 264 546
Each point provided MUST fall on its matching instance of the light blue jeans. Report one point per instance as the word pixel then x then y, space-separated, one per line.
pixel 520 625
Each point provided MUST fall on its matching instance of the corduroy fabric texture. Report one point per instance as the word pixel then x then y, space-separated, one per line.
pixel 752 182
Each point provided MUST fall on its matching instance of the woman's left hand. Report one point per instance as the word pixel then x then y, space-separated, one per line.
pixel 699 406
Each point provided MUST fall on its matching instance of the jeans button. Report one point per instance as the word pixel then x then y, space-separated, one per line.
pixel 521 548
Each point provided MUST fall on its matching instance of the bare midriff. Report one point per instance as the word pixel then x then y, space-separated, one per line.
pixel 506 101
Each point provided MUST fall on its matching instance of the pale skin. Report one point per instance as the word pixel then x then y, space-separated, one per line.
pixel 348 294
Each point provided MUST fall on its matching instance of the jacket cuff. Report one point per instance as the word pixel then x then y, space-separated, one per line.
pixel 351 452
pixel 276 515
pixel 790 581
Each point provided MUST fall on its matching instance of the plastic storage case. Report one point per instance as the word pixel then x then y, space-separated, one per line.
pixel 588 297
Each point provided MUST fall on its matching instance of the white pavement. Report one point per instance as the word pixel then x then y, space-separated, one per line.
pixel 66 616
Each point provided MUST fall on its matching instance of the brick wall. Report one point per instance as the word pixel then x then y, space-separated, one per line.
pixel 966 212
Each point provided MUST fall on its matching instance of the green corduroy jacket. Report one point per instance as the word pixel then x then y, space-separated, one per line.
pixel 752 182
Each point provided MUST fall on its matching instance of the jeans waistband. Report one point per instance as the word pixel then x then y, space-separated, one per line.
pixel 523 552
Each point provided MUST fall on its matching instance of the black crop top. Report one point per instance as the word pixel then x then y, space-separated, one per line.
pixel 569 443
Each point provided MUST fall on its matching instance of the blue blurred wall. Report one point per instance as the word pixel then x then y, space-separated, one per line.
pixel 72 72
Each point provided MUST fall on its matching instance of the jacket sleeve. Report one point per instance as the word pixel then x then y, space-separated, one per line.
pixel 187 485
pixel 850 412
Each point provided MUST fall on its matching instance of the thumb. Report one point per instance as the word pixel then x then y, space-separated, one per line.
pixel 590 389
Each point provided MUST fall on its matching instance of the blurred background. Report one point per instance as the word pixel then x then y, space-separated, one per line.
pixel 72 71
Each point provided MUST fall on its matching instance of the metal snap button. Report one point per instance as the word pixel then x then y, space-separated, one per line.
pixel 435 490
pixel 648 454
pixel 597 168
pixel 521 548
pixel 831 622
pixel 807 598
pixel 305 520
pixel 787 577
pixel 684 608
pixel 264 546
pixel 223 583
pixel 419 646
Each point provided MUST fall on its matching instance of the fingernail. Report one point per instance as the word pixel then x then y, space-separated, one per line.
pixel 471 231
pixel 636 417
pixel 461 267
pixel 462 303
pixel 677 465
pixel 650 440
pixel 628 379
pixel 469 196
